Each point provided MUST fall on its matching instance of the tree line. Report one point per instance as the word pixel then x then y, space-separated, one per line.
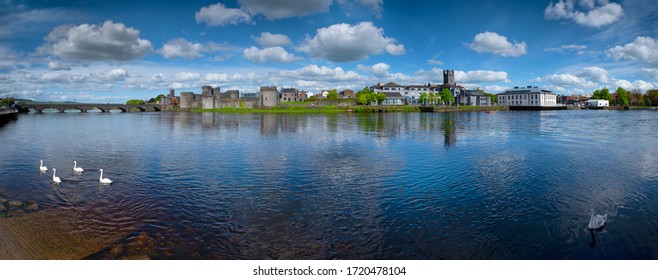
pixel 625 98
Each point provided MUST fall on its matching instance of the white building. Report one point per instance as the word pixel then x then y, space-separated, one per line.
pixel 527 97
pixel 597 103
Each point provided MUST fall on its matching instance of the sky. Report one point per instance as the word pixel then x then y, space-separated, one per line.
pixel 113 51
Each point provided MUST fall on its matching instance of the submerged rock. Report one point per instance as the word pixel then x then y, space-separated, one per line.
pixel 15 204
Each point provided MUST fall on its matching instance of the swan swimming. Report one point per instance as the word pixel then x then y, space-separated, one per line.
pixel 597 221
pixel 41 167
pixel 55 178
pixel 104 180
pixel 76 168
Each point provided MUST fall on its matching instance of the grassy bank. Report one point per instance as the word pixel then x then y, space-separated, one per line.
pixel 314 109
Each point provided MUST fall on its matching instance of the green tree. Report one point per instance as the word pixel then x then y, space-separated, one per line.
pixel 446 96
pixel 135 102
pixel 622 97
pixel 423 98
pixel 380 98
pixel 603 93
pixel 651 98
pixel 636 98
pixel 7 101
pixel 432 98
pixel 363 96
pixel 333 94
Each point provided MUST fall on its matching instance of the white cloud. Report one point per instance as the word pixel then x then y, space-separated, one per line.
pixel 595 74
pixel 344 42
pixel 644 49
pixel 186 76
pixel 285 8
pixel 379 70
pixel 580 49
pixel 314 72
pixel 181 48
pixel 638 84
pixel 267 40
pixel 274 54
pixel 219 15
pixel 568 79
pixel 595 16
pixel 479 76
pixel 495 43
pixel 56 66
pixel 217 77
pixel 110 41
pixel 434 62
pixel 115 75
pixel 651 72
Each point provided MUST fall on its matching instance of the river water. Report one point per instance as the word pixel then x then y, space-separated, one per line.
pixel 510 185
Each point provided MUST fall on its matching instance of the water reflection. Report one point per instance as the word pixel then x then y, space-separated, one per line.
pixel 449 130
pixel 346 186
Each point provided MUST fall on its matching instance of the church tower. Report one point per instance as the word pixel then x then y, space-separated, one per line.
pixel 449 77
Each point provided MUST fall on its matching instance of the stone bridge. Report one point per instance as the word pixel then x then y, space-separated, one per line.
pixel 83 107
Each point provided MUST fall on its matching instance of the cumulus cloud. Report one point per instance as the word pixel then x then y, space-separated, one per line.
pixel 494 43
pixel 344 42
pixel 314 72
pixel 56 66
pixel 182 48
pixel 186 76
pixel 115 75
pixel 479 76
pixel 643 49
pixel 267 40
pixel 595 74
pixel 274 54
pixel 285 8
pixel 596 14
pixel 650 72
pixel 568 79
pixel 110 41
pixel 219 15
pixel 638 84
pixel 379 70
pixel 217 77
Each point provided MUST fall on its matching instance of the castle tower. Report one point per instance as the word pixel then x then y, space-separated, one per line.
pixel 449 77
pixel 207 98
pixel 269 96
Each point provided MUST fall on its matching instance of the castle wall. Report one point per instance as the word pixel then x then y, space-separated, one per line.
pixel 208 102
pixel 186 99
pixel 240 103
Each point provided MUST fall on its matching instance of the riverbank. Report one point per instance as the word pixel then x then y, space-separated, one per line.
pixel 352 109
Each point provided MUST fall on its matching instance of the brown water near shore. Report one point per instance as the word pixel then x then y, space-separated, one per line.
pixel 48 235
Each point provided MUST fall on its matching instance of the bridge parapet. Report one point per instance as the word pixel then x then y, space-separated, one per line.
pixel 84 107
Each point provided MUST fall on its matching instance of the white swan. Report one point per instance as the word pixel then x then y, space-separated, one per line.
pixel 55 178
pixel 104 180
pixel 41 167
pixel 597 221
pixel 76 168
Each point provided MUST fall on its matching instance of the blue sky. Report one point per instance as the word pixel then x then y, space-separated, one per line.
pixel 102 51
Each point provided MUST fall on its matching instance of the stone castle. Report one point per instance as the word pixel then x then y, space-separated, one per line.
pixel 211 98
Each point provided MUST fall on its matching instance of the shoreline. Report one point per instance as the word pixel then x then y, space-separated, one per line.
pixel 48 235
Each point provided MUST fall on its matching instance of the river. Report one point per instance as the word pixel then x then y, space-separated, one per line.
pixel 509 185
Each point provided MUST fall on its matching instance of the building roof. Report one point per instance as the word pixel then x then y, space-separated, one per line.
pixel 527 90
